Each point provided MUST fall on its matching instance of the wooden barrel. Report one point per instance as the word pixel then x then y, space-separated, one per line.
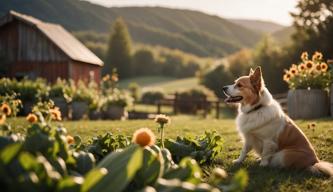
pixel 308 104
pixel 79 109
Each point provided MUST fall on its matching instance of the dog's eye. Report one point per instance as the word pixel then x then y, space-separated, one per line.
pixel 238 85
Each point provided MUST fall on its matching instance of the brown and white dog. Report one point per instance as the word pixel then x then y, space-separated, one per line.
pixel 266 129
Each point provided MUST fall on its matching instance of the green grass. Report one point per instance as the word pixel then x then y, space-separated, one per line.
pixel 170 85
pixel 260 179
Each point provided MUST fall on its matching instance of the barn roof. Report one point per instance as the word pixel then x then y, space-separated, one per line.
pixel 72 47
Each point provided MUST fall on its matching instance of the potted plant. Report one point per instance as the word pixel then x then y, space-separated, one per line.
pixel 114 105
pixel 81 99
pixel 59 95
pixel 308 83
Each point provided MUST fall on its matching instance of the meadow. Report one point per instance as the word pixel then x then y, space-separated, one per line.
pixel 260 178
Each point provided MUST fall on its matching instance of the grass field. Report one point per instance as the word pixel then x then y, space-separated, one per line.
pixel 170 85
pixel 261 179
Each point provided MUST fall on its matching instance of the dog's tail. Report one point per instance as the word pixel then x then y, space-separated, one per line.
pixel 322 167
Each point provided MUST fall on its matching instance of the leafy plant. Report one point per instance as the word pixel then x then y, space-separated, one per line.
pixel 203 148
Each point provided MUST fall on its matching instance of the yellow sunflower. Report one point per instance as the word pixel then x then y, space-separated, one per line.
pixel 55 114
pixel 305 56
pixel 301 67
pixel 317 56
pixel 6 109
pixel 324 67
pixel 32 118
pixel 309 64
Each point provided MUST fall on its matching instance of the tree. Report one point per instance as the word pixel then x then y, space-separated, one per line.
pixel 269 56
pixel 314 26
pixel 119 50
pixel 144 62
pixel 240 62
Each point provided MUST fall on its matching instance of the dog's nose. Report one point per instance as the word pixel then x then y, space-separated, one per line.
pixel 225 88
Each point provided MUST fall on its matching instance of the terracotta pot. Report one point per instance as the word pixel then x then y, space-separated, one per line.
pixel 308 104
pixel 79 109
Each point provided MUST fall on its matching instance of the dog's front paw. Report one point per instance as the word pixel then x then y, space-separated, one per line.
pixel 237 161
pixel 263 163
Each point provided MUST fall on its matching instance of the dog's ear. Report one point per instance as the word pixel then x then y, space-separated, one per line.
pixel 257 80
pixel 251 71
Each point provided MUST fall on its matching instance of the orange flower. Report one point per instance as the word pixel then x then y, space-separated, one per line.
pixel 32 118
pixel 55 114
pixel 144 137
pixel 305 56
pixel 106 77
pixel 309 64
pixel 2 119
pixel 70 139
pixel 324 67
pixel 114 78
pixel 6 109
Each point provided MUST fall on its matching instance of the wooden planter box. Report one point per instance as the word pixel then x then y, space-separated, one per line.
pixel 79 109
pixel 308 104
pixel 115 113
pixel 62 104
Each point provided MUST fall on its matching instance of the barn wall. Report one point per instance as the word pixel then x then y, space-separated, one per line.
pixel 9 41
pixel 47 70
pixel 82 71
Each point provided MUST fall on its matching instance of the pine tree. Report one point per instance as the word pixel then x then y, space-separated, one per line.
pixel 119 50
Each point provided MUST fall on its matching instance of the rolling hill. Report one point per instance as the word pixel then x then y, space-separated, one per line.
pixel 189 31
pixel 258 25
pixel 284 35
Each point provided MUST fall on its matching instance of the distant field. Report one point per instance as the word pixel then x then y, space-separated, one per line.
pixel 168 84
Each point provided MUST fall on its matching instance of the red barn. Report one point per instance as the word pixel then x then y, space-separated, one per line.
pixel 30 47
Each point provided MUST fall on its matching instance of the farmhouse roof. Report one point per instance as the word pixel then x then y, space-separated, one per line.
pixel 72 47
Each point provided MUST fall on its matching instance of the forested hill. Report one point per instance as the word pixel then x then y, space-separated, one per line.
pixel 189 31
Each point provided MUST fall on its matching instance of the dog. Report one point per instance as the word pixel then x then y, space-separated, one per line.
pixel 266 129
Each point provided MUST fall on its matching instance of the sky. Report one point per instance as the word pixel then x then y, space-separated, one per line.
pixel 269 10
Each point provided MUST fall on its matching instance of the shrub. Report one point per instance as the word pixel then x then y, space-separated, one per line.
pixel 152 96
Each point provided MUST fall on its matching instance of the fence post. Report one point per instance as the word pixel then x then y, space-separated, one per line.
pixel 175 110
pixel 217 107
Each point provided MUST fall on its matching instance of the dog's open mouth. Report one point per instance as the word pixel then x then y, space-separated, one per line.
pixel 233 99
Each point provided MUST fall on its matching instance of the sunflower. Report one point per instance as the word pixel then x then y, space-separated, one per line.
pixel 162 119
pixel 144 137
pixel 286 77
pixel 106 78
pixel 55 114
pixel 32 118
pixel 114 78
pixel 309 64
pixel 301 67
pixel 317 56
pixel 70 139
pixel 2 119
pixel 293 71
pixel 324 67
pixel 318 68
pixel 305 56
pixel 6 109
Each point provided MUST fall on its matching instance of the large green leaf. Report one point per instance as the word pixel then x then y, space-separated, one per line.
pixel 8 153
pixel 121 166
pixel 92 178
